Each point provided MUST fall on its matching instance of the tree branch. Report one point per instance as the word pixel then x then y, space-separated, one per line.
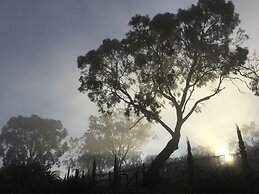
pixel 187 84
pixel 146 112
pixel 188 98
pixel 169 97
pixel 136 122
pixel 217 90
pixel 239 79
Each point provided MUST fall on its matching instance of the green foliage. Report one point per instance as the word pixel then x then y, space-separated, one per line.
pixel 26 140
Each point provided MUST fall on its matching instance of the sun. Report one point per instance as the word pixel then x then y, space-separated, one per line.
pixel 226 156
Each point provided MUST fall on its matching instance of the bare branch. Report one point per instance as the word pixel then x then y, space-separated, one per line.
pixel 237 86
pixel 188 98
pixel 170 97
pixel 217 90
pixel 136 122
pixel 239 79
pixel 187 84
pixel 231 79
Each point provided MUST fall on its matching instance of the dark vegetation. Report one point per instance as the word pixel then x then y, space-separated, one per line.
pixel 161 63
pixel 188 174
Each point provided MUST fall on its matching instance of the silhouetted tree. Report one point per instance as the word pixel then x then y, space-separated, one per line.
pixel 94 171
pixel 164 61
pixel 250 136
pixel 242 150
pixel 115 172
pixel 190 163
pixel 26 140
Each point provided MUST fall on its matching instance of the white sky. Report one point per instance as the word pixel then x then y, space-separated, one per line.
pixel 39 45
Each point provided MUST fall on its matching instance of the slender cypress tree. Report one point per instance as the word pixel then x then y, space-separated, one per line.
pixel 116 172
pixel 94 171
pixel 190 163
pixel 244 161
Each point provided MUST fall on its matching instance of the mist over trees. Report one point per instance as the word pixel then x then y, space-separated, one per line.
pixel 170 61
pixel 28 140
pixel 108 137
pixel 164 61
pixel 250 134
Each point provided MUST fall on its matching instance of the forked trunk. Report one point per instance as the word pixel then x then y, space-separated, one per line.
pixel 157 163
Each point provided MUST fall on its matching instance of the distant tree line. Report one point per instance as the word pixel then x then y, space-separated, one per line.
pixel 28 140
pixel 111 143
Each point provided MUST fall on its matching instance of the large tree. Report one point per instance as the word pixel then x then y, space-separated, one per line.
pixel 27 140
pixel 164 61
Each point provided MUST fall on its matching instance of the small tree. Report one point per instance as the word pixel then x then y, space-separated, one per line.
pixel 250 136
pixel 26 140
pixel 163 62
pixel 242 150
pixel 190 163
pixel 94 171
pixel 115 172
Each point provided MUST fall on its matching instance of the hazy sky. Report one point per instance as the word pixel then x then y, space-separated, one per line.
pixel 39 45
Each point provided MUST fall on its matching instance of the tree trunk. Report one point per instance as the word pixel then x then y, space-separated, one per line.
pixel 157 163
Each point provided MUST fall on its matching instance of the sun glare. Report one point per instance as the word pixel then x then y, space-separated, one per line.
pixel 227 157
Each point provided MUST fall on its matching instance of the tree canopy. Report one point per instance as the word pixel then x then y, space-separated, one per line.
pixel 27 140
pixel 112 136
pixel 167 59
